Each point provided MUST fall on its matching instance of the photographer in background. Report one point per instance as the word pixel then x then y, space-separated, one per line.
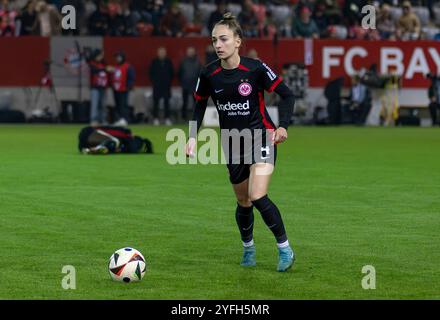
pixel 98 84
pixel 434 97
pixel 122 80
pixel 360 101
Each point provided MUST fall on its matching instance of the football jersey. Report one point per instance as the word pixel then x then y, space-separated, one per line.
pixel 238 94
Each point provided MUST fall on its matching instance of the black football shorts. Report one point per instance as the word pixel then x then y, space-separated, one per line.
pixel 239 163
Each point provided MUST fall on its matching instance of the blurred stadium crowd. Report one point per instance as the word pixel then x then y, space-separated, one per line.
pixel 337 19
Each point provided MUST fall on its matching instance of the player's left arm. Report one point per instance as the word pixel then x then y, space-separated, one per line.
pixel 285 110
pixel 272 82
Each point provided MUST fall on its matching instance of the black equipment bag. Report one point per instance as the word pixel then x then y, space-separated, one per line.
pixel 115 139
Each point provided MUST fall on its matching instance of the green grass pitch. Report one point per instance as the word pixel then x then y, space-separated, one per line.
pixel 349 197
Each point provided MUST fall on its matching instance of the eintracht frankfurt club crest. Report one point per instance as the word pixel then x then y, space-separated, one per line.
pixel 245 89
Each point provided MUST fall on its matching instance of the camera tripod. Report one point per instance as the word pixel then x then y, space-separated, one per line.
pixel 47 82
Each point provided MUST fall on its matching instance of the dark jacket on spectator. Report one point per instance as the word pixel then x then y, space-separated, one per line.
pixel 98 23
pixel 27 20
pixel 305 30
pixel 189 72
pixel 161 74
pixel 117 26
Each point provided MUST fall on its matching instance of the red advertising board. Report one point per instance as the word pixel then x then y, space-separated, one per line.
pixel 21 59
pixel 412 60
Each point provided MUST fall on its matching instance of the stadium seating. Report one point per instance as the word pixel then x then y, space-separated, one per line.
pixel 280 14
pixel 205 11
pixel 396 13
pixel 437 15
pixel 430 32
pixel 339 31
pixel 187 10
pixel 197 15
pixel 235 9
pixel 423 14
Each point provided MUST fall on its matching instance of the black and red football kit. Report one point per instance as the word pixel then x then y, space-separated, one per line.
pixel 238 95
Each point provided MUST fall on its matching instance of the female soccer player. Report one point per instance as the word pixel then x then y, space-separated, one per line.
pixel 236 84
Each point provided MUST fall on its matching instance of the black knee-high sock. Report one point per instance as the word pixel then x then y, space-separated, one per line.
pixel 245 221
pixel 272 217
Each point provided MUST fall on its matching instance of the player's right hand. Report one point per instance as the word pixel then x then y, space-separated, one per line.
pixel 190 147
